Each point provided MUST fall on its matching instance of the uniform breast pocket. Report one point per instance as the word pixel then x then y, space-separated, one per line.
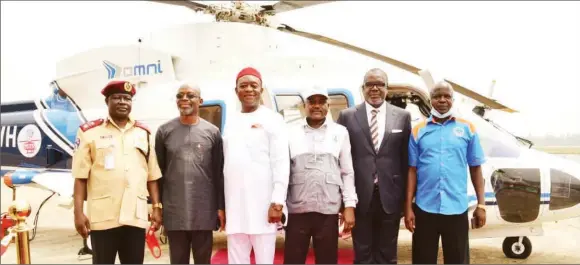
pixel 458 141
pixel 141 211
pixel 104 153
pixel 141 146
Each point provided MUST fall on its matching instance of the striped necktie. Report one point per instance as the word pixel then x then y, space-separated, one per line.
pixel 375 129
pixel 375 134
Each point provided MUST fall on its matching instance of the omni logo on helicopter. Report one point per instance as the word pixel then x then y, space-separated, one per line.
pixel 116 71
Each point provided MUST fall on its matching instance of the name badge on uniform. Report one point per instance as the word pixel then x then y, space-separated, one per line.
pixel 109 161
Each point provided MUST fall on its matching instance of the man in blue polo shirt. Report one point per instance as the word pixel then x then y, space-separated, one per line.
pixel 441 149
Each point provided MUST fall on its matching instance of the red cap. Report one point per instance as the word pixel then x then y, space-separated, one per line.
pixel 249 71
pixel 118 87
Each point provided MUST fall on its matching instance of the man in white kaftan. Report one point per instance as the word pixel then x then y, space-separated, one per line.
pixel 256 173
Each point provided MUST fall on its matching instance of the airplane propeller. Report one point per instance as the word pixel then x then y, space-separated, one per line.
pixel 284 6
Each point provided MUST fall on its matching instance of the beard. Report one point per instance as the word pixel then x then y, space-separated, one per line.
pixel 186 111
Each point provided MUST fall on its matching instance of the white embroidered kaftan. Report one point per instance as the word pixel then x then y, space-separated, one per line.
pixel 256 169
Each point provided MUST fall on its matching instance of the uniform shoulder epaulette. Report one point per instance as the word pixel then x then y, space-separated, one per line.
pixel 142 126
pixel 91 124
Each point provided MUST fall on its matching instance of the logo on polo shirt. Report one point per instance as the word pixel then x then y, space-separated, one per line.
pixel 458 131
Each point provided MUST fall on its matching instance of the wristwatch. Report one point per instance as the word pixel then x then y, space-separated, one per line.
pixel 158 205
pixel 481 206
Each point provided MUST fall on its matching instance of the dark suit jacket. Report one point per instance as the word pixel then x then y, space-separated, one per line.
pixel 391 161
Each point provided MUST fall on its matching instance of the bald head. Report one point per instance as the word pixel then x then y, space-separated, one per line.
pixel 442 97
pixel 188 99
pixel 441 85
pixel 191 87
pixel 376 72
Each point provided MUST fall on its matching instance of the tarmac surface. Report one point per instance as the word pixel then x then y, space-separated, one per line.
pixel 56 241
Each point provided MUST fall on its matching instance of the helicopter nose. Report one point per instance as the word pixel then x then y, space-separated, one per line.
pixel 565 189
pixel 539 186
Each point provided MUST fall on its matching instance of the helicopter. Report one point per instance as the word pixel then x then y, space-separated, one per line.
pixel 523 187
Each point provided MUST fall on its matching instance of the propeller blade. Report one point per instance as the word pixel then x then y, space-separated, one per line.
pixel 189 4
pixel 284 6
pixel 407 67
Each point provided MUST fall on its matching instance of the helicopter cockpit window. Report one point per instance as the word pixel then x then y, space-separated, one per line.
pixel 60 113
pixel 57 99
pixel 213 114
pixel 337 102
pixel 565 190
pixel 494 141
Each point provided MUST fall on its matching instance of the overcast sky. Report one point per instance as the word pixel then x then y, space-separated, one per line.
pixel 532 49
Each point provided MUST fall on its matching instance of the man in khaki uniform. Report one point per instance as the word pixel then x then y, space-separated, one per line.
pixel 115 169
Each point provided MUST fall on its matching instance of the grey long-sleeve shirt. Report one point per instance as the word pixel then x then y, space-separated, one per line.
pixel 191 160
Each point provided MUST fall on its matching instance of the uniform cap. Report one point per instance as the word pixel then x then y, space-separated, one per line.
pixel 316 90
pixel 249 71
pixel 118 87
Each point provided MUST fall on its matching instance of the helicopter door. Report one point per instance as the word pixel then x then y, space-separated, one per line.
pixel 290 104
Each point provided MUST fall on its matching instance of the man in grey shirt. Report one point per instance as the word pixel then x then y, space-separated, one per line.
pixel 190 154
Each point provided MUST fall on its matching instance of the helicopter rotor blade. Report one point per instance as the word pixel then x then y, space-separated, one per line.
pixel 285 6
pixel 407 67
pixel 197 7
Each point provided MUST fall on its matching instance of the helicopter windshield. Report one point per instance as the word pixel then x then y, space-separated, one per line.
pixel 496 142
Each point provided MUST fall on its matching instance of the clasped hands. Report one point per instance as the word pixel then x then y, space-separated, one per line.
pixel 275 213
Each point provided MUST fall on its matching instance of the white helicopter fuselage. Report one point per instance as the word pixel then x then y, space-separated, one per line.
pixel 211 54
pixel 521 190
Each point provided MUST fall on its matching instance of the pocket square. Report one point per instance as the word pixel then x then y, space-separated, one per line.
pixel 396 131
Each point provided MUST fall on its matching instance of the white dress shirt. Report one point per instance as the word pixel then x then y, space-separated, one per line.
pixel 381 120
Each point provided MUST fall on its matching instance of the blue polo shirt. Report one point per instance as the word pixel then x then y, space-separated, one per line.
pixel 442 153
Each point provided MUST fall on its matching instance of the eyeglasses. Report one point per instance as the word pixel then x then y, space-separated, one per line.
pixel 189 96
pixel 373 84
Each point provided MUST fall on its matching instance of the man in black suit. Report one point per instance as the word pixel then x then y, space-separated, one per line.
pixel 379 135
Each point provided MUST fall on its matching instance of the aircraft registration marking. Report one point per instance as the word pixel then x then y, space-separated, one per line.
pixel 8 136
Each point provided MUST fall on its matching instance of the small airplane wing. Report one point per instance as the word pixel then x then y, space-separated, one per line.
pixel 407 67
